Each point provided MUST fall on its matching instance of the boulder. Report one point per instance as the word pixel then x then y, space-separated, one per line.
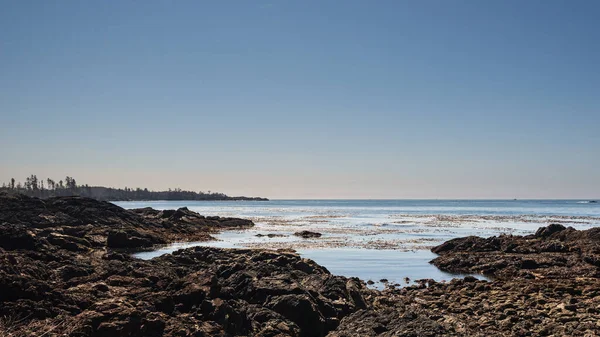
pixel 123 239
pixel 544 232
pixel 308 234
pixel 14 236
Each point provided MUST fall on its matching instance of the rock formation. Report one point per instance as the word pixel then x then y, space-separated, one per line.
pixel 64 271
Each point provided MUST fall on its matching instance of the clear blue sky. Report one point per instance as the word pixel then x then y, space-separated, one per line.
pixel 305 99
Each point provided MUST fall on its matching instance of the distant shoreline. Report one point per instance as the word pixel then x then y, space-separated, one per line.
pixel 159 200
pixel 49 188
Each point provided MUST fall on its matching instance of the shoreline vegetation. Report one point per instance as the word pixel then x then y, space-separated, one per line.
pixel 48 188
pixel 66 270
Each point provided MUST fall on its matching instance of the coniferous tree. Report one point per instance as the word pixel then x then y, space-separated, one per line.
pixel 37 188
pixel 33 182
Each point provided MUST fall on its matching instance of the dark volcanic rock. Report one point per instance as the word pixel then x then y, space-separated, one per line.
pixel 57 278
pixel 544 232
pixel 270 235
pixel 308 234
pixel 65 220
pixel 69 242
pixel 234 292
pixel 131 239
pixel 186 221
pixel 16 237
pixel 54 276
pixel 553 251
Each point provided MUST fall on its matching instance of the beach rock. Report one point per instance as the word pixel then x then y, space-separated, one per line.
pixel 553 251
pixel 544 232
pixel 183 223
pixel 271 235
pixel 16 236
pixel 69 242
pixel 58 277
pixel 57 270
pixel 78 223
pixel 308 234
pixel 129 239
pixel 301 310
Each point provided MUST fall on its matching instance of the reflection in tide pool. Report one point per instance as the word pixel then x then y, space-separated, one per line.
pixel 375 265
pixel 366 264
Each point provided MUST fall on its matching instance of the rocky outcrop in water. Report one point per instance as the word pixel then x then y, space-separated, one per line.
pixel 308 234
pixel 552 252
pixel 59 272
pixel 99 224
pixel 478 308
pixel 193 292
pixel 545 284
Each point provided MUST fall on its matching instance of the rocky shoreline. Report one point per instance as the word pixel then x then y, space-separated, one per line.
pixel 65 271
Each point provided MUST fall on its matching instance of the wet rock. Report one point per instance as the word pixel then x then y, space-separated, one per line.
pixel 130 239
pixel 544 232
pixel 93 221
pixel 55 272
pixel 301 310
pixel 308 234
pixel 59 267
pixel 271 235
pixel 553 251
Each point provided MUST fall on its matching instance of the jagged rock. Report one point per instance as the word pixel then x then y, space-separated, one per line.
pixel 553 251
pixel 308 234
pixel 130 239
pixel 270 235
pixel 544 232
pixel 16 237
pixel 69 242
pixel 57 267
pixel 58 278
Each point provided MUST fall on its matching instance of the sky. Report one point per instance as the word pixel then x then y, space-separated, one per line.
pixel 305 99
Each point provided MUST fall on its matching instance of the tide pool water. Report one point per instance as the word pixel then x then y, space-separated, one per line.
pixel 377 239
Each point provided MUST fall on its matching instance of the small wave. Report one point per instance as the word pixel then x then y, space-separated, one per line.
pixel 587 202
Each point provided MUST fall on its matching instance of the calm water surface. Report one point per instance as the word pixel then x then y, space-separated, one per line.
pixel 376 239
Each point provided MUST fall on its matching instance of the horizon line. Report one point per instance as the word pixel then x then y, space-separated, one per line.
pixel 395 199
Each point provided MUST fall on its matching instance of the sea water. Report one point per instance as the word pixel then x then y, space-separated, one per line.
pixel 377 239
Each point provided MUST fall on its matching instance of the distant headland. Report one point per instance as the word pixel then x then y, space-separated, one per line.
pixel 40 188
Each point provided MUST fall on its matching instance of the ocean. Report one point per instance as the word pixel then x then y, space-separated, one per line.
pixel 377 239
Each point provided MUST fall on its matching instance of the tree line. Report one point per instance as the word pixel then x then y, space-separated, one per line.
pixel 40 188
